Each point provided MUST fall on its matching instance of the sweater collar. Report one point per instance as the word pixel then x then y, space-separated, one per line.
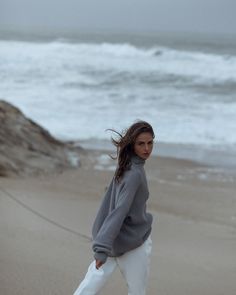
pixel 137 160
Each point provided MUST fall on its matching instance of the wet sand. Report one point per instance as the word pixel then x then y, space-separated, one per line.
pixel 45 225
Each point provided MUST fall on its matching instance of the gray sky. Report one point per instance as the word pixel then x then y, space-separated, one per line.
pixel 211 16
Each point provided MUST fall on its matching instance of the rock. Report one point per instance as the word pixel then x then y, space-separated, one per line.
pixel 28 149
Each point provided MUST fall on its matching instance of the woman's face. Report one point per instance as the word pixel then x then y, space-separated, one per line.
pixel 143 145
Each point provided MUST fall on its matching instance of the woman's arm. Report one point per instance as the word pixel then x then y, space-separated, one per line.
pixel 110 228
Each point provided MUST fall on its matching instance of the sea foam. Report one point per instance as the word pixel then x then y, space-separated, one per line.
pixel 77 90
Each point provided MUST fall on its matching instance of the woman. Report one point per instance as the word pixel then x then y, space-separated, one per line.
pixel 121 230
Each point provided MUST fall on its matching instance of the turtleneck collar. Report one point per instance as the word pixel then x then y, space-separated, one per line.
pixel 137 160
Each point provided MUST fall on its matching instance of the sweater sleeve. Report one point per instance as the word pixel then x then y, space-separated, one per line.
pixel 102 245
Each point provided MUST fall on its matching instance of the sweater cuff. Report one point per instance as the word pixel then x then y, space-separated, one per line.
pixel 101 256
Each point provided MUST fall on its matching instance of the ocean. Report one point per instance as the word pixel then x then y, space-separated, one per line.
pixel 79 87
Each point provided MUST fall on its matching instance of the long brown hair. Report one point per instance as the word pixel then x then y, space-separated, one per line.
pixel 125 145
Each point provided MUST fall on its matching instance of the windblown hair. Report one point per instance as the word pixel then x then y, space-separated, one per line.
pixel 125 145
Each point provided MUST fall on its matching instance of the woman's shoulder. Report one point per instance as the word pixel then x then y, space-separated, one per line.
pixel 132 175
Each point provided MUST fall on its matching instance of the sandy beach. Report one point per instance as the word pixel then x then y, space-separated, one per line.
pixel 45 225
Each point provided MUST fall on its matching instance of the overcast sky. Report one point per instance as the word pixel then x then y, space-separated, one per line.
pixel 211 16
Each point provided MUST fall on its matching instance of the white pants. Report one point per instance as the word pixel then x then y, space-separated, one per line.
pixel 134 266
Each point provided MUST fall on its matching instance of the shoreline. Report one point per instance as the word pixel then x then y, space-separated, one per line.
pixel 201 155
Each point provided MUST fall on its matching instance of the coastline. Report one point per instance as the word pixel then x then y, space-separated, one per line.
pixel 221 157
pixel 45 227
pixel 184 84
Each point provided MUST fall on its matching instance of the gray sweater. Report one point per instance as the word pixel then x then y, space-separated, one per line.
pixel 122 222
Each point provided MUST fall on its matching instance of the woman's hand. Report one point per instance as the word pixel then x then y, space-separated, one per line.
pixel 98 264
